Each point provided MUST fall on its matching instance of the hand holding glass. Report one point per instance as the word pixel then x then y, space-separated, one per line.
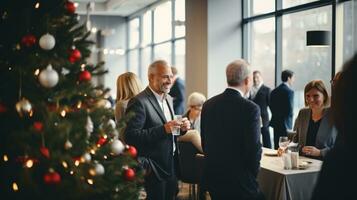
pixel 283 142
pixel 176 130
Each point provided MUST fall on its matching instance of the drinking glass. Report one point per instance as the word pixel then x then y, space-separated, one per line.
pixel 283 142
pixel 176 130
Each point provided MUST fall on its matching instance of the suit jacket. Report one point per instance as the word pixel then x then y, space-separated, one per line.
pixel 145 130
pixel 177 91
pixel 230 132
pixel 262 99
pixel 281 106
pixel 326 135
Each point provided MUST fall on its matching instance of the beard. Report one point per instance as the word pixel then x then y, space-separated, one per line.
pixel 164 89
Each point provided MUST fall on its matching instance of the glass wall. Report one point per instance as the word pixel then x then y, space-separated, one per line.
pixel 154 34
pixel 275 35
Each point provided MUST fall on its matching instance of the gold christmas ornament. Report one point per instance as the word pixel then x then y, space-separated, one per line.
pixel 24 107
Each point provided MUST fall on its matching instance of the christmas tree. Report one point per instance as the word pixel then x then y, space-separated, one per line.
pixel 58 137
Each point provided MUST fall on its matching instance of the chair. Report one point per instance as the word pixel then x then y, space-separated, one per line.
pixel 190 171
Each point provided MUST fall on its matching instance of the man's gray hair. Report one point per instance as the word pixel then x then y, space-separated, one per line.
pixel 237 71
pixel 153 66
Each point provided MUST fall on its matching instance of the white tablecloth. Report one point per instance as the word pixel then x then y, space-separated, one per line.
pixel 279 184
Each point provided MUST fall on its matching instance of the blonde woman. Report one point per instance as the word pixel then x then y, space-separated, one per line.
pixel 128 86
pixel 195 102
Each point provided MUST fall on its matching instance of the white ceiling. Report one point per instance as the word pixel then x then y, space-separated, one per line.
pixel 112 7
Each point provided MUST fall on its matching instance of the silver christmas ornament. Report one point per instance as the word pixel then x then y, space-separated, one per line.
pixel 117 147
pixel 89 126
pixel 47 42
pixel 48 77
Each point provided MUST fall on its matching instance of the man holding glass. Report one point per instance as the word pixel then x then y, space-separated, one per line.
pixel 230 132
pixel 150 131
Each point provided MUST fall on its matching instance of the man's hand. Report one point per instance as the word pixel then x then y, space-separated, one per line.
pixel 185 124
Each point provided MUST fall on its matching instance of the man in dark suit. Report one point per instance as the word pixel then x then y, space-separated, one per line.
pixel 149 130
pixel 230 132
pixel 281 106
pixel 178 93
pixel 260 94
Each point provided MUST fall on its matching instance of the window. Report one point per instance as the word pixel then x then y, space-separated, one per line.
pixel 180 46
pixel 262 49
pixel 151 37
pixel 147 29
pixel 163 51
pixel 300 58
pixel 133 60
pixel 162 23
pixel 180 28
pixel 291 3
pixel 257 7
pixel 275 39
pixel 134 33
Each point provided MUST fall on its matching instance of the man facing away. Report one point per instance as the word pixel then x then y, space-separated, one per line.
pixel 281 106
pixel 149 130
pixel 230 131
pixel 178 93
pixel 260 94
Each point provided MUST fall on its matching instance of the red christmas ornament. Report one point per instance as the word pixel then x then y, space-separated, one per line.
pixel 28 40
pixel 101 141
pixel 129 174
pixel 70 7
pixel 45 152
pixel 85 76
pixel 52 177
pixel 38 126
pixel 2 108
pixel 132 151
pixel 74 55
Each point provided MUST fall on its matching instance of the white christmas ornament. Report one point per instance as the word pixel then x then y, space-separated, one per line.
pixel 89 126
pixel 48 77
pixel 87 157
pixel 117 147
pixel 112 123
pixel 47 42
pixel 67 145
pixel 99 169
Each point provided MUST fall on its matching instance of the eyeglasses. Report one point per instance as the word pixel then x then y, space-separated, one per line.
pixel 198 108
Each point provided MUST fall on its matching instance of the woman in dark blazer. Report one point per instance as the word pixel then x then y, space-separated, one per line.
pixel 314 130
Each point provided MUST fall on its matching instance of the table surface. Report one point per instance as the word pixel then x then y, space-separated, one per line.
pixel 275 163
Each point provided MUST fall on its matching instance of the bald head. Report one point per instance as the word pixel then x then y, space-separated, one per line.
pixel 236 72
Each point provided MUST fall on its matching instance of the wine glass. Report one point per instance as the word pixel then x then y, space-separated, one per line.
pixel 283 142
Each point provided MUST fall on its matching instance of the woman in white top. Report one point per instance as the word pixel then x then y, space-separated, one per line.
pixel 195 102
